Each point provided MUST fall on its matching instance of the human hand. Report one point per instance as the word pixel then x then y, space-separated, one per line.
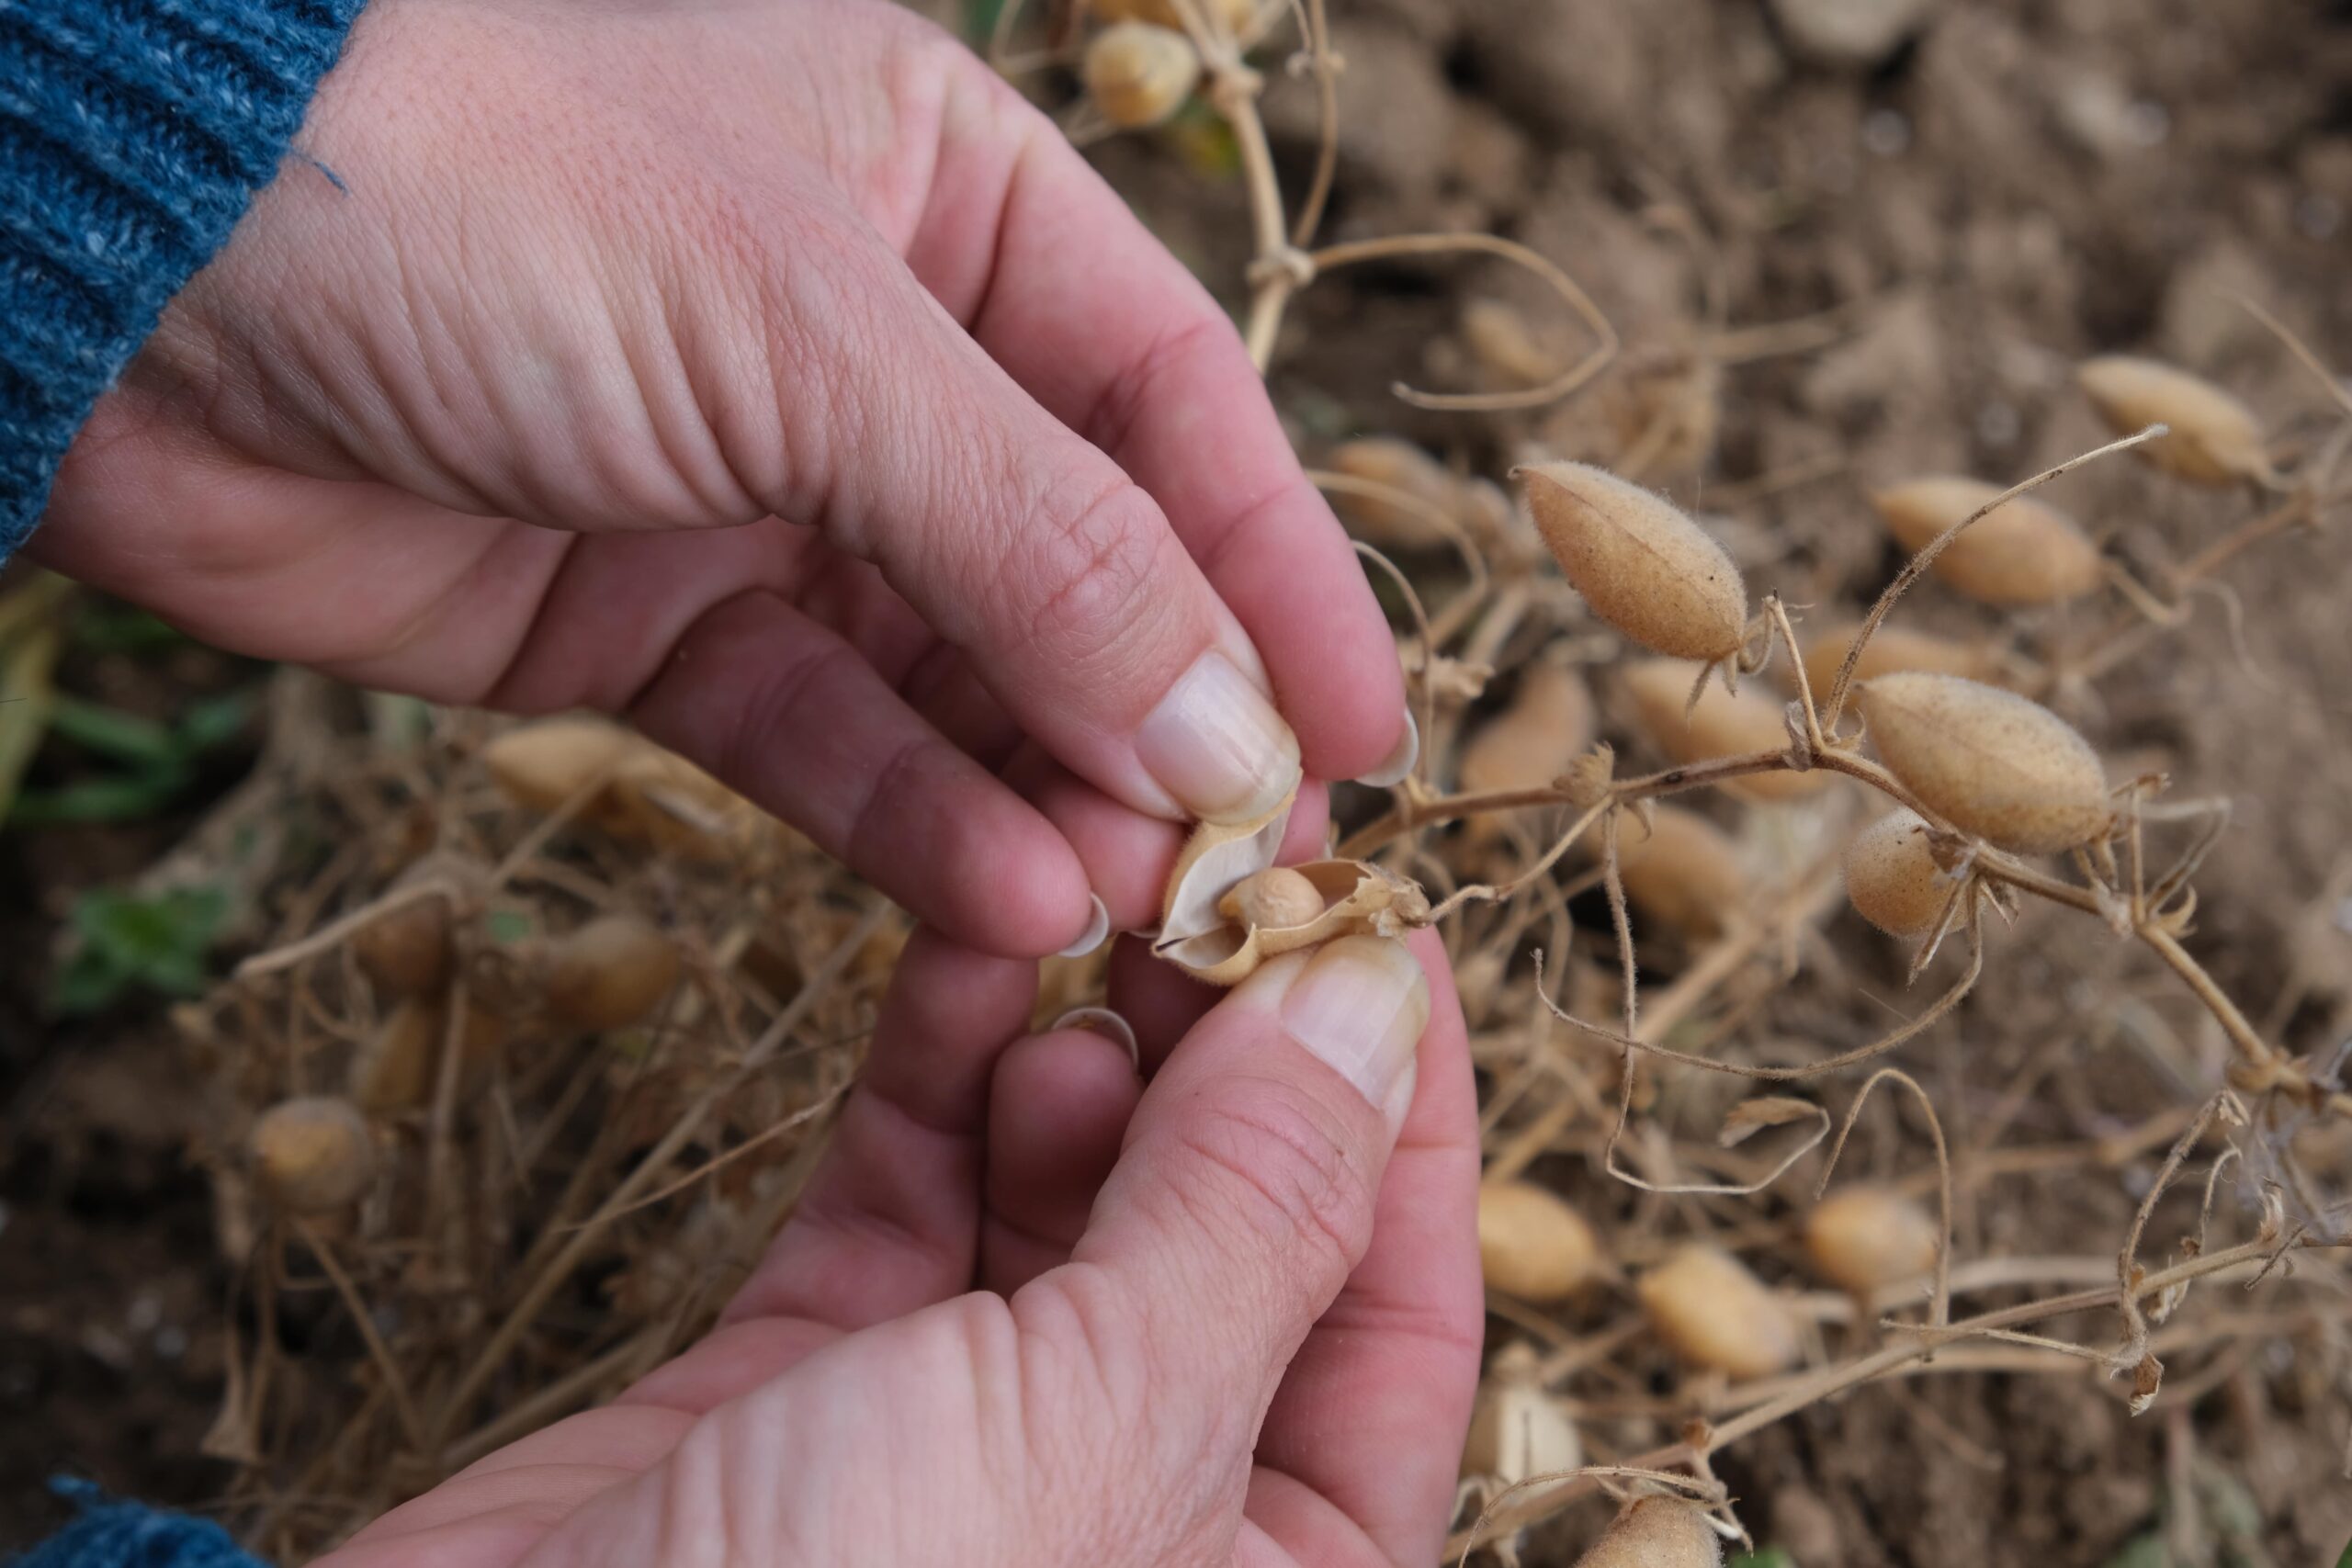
pixel 1030 1312
pixel 775 376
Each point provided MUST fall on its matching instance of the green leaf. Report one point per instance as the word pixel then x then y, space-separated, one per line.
pixel 107 625
pixel 26 699
pixel 1764 1556
pixel 213 722
pixel 979 20
pixel 2343 1558
pixel 110 732
pixel 507 925
pixel 118 799
pixel 125 943
pixel 180 920
pixel 2142 1551
pixel 89 982
pixel 1205 142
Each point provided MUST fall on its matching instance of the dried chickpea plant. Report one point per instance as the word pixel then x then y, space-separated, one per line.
pixel 528 1069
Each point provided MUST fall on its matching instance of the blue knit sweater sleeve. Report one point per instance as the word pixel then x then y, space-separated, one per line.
pixel 132 134
pixel 128 1535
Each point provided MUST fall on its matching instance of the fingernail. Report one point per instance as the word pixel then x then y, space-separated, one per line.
pixel 1399 762
pixel 1218 746
pixel 1103 1021
pixel 1359 1006
pixel 1098 926
pixel 1400 1097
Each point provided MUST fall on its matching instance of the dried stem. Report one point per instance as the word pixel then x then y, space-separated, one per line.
pixel 337 933
pixel 395 1380
pixel 1579 302
pixel 1918 564
pixel 1940 1309
pixel 1536 1505
pixel 558 1268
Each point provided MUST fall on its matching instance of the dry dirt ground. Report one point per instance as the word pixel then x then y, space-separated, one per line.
pixel 2023 183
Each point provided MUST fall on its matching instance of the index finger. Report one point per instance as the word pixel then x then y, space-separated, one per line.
pixel 1107 331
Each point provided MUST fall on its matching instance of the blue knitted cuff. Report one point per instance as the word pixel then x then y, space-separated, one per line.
pixel 132 134
pixel 131 1535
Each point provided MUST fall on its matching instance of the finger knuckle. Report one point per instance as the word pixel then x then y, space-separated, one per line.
pixel 1275 1167
pixel 1087 564
pixel 1133 390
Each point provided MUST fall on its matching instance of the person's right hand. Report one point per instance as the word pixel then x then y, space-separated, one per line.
pixel 773 375
pixel 1030 1312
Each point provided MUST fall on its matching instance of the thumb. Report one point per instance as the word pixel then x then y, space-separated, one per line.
pixel 1244 1197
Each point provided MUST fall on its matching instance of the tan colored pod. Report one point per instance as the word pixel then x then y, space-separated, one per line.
pixel 661 798
pixel 649 795
pixel 1865 1236
pixel 2214 440
pixel 1534 1245
pixel 610 973
pixel 1138 73
pixel 1685 872
pixel 1402 467
pixel 398 1067
pixel 1721 724
pixel 1517 1430
pixel 1235 15
pixel 1216 859
pixel 1657 1532
pixel 313 1154
pixel 1500 340
pixel 1891 649
pixel 1988 762
pixel 2022 552
pixel 1892 878
pixel 1198 935
pixel 406 953
pixel 1643 566
pixel 1351 899
pixel 1548 725
pixel 1714 1315
pixel 545 763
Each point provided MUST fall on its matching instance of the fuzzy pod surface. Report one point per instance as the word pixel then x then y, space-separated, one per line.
pixel 1989 762
pixel 2212 439
pixel 1657 1532
pixel 1890 649
pixel 1865 1236
pixel 2022 552
pixel 1892 878
pixel 1713 1313
pixel 610 973
pixel 1395 465
pixel 1720 724
pixel 1642 565
pixel 1684 872
pixel 313 1154
pixel 1532 1245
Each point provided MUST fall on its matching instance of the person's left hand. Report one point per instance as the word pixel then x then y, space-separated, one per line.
pixel 775 377
pixel 1031 1311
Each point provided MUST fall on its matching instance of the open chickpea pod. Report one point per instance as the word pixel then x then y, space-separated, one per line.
pixel 1229 908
